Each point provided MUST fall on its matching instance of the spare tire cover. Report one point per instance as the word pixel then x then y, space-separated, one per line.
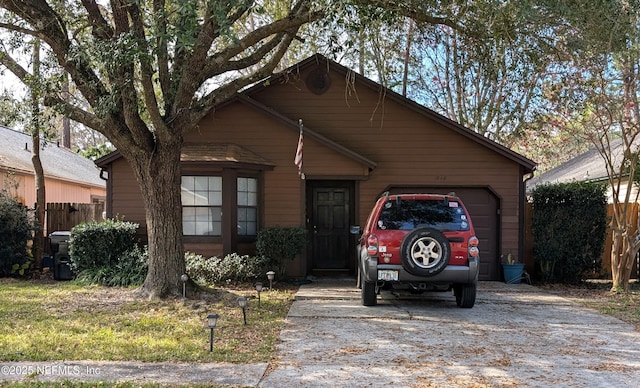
pixel 425 252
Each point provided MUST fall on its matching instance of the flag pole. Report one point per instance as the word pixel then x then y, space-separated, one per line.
pixel 298 159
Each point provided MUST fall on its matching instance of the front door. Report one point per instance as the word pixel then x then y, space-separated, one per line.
pixel 329 222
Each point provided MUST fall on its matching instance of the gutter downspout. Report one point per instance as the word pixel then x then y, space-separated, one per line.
pixel 107 203
pixel 523 204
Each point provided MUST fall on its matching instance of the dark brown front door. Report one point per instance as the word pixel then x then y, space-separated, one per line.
pixel 329 224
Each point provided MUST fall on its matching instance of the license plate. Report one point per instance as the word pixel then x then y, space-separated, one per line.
pixel 388 275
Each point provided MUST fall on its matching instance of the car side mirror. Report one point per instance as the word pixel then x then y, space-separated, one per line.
pixel 355 229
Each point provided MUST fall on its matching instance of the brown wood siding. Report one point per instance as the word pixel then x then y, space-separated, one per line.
pixel 268 138
pixel 408 148
pixel 127 199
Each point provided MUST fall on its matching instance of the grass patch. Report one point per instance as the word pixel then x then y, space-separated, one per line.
pixel 68 321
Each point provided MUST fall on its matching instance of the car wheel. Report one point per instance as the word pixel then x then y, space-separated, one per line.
pixel 465 295
pixel 425 252
pixel 369 297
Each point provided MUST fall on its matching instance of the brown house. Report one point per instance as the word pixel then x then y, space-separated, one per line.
pixel 360 140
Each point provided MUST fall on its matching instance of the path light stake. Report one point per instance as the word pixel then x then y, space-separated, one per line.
pixel 270 276
pixel 242 302
pixel 212 319
pixel 184 279
pixel 259 289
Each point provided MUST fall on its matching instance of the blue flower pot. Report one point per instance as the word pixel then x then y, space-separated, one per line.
pixel 513 272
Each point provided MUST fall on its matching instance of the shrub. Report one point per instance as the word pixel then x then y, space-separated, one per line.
pixel 107 253
pixel 231 268
pixel 281 244
pixel 99 244
pixel 16 230
pixel 568 226
pixel 129 270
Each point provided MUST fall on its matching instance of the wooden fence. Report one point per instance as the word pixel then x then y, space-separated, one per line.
pixel 64 216
pixel 606 253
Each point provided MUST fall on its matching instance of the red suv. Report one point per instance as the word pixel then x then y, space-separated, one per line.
pixel 419 242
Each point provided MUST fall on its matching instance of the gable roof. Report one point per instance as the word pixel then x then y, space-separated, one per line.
pixel 57 162
pixel 318 59
pixel 588 166
pixel 244 97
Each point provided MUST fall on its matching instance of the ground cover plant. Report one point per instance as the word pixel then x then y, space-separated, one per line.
pixel 69 321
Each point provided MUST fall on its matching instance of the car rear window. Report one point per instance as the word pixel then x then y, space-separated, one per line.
pixel 411 214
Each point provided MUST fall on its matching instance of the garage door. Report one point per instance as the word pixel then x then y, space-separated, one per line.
pixel 482 206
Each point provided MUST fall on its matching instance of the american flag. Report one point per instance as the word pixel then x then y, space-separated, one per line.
pixel 298 159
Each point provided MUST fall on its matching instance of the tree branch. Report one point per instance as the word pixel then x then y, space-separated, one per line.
pixel 146 69
pixel 204 105
pixel 162 52
pixel 217 63
pixel 101 29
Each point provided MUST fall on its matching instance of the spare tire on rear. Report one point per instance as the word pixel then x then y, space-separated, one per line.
pixel 425 252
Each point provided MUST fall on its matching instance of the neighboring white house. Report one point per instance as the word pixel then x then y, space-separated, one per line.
pixel 587 167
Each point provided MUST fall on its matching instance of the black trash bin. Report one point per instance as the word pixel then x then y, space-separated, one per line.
pixel 59 245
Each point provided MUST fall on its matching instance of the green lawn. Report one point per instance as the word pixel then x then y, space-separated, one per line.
pixel 67 321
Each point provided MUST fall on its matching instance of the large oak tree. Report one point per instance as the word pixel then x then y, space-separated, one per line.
pixel 148 72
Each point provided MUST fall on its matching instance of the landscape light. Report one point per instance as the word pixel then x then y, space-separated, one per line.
pixel 212 319
pixel 270 276
pixel 242 302
pixel 184 279
pixel 259 289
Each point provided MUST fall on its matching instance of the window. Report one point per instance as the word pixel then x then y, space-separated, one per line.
pixel 202 205
pixel 411 214
pixel 247 206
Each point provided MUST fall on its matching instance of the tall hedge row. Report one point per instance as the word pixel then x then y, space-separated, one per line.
pixel 568 225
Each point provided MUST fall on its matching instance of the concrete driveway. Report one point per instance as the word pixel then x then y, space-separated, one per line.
pixel 515 336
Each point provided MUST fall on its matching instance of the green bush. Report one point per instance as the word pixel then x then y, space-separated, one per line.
pixel 129 270
pixel 232 268
pixel 98 244
pixel 568 225
pixel 16 230
pixel 280 245
pixel 107 253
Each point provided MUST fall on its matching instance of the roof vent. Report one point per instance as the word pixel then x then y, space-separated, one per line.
pixel 318 80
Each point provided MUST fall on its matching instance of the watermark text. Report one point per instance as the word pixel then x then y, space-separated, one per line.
pixel 54 369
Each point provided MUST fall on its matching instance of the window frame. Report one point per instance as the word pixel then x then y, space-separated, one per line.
pixel 255 207
pixel 207 206
pixel 229 241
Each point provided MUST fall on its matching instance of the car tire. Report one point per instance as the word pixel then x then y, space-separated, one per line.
pixel 465 295
pixel 369 297
pixel 425 252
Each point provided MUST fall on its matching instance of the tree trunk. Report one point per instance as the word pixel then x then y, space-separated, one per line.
pixel 621 262
pixel 158 173
pixel 407 57
pixel 38 238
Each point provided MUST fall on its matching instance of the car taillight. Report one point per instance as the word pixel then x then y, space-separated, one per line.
pixel 473 246
pixel 372 245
